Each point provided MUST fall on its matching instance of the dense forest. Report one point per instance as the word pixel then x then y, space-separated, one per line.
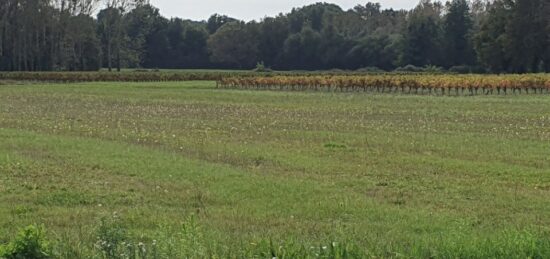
pixel 460 35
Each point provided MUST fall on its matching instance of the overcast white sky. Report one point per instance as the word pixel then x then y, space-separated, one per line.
pixel 254 9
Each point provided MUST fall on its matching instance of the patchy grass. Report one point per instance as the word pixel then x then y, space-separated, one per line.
pixel 385 175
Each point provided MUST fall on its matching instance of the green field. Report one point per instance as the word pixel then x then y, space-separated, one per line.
pixel 201 172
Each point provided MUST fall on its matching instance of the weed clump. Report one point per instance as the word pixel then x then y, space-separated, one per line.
pixel 29 243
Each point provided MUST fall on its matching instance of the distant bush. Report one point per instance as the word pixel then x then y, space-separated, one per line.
pixel 415 69
pixel 260 67
pixel 478 70
pixel 409 68
pixel 335 71
pixel 370 70
pixel 433 69
pixel 460 69
pixel 29 243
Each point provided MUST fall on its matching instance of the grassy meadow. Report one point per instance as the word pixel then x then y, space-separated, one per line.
pixel 182 169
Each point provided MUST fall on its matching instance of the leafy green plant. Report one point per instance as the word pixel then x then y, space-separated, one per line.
pixel 29 243
pixel 111 238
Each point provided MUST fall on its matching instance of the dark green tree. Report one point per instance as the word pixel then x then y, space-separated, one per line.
pixel 82 45
pixel 273 34
pixel 235 44
pixel 496 36
pixel 333 48
pixel 139 23
pixel 526 39
pixel 422 41
pixel 216 21
pixel 491 38
pixel 458 25
pixel 109 25
pixel 374 51
pixel 302 50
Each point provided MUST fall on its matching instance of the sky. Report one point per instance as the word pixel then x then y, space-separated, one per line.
pixel 254 9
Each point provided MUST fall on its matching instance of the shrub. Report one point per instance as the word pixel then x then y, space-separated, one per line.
pixel 261 68
pixel 334 71
pixel 460 69
pixel 415 69
pixel 478 70
pixel 410 68
pixel 370 70
pixel 433 69
pixel 29 243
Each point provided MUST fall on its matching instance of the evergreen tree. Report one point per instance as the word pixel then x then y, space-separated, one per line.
pixel 422 38
pixel 457 26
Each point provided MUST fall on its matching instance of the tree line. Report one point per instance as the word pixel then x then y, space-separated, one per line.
pixel 497 36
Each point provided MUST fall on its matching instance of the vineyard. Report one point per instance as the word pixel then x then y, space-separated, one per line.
pixel 434 84
pixel 411 84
